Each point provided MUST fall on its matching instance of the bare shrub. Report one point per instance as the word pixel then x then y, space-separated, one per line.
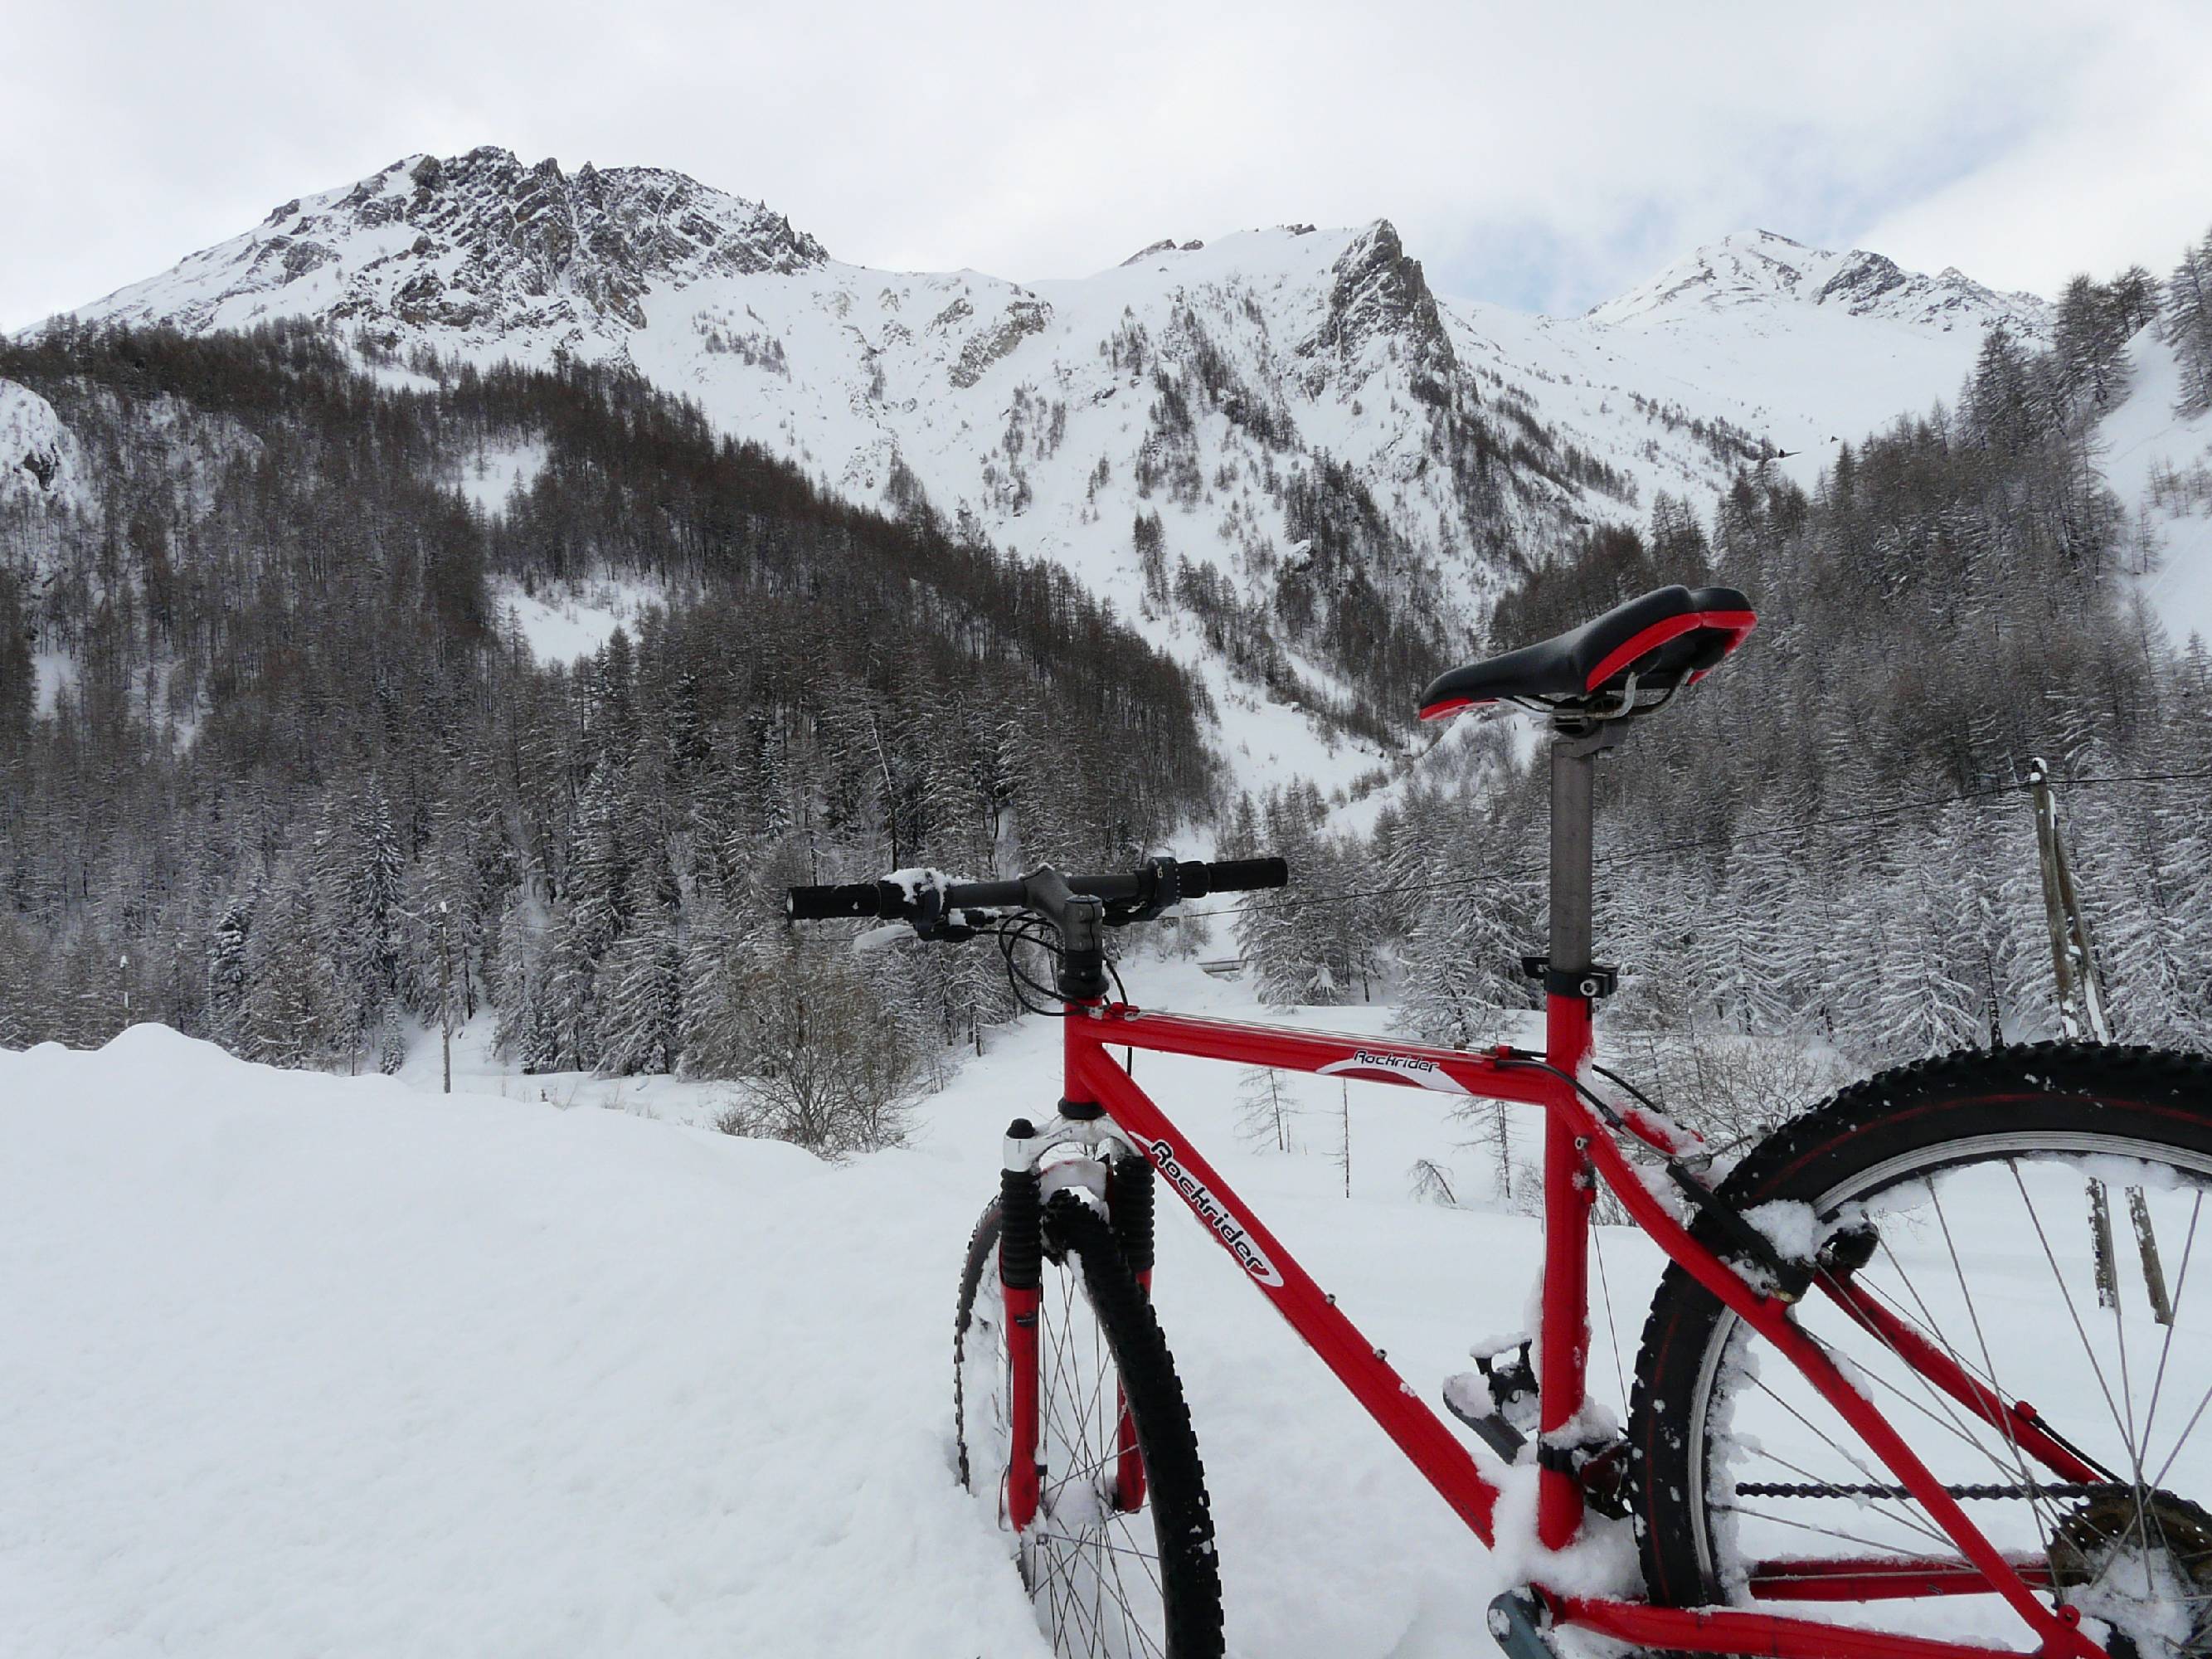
pixel 1732 1090
pixel 835 1072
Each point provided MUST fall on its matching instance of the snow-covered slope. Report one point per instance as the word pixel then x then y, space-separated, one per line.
pixel 1799 347
pixel 1194 381
pixel 1759 267
pixel 2161 465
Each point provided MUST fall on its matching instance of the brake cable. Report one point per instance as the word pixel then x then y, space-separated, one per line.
pixel 1791 1281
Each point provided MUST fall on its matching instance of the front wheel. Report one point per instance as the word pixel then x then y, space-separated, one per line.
pixel 1122 1576
pixel 2032 1216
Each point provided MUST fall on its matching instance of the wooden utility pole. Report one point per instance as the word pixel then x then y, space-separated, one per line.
pixel 2073 956
pixel 2081 1013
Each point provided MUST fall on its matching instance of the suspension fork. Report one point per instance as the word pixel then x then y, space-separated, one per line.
pixel 1129 1202
pixel 1021 1277
pixel 1129 1195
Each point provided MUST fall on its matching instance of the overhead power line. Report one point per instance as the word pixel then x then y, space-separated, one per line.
pixel 1643 854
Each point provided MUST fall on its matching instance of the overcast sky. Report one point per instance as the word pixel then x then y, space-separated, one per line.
pixel 1544 152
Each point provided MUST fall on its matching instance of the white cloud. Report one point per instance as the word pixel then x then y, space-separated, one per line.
pixel 1559 150
pixel 2121 170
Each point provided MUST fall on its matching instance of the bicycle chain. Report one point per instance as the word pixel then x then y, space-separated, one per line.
pixel 1870 1489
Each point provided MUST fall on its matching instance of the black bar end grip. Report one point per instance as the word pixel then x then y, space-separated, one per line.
pixel 1233 875
pixel 852 898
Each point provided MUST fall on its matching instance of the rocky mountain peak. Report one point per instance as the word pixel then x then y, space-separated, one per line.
pixel 1379 289
pixel 481 242
pixel 1761 268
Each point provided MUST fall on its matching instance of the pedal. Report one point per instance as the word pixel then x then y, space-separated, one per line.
pixel 1519 1623
pixel 1467 1396
pixel 1497 1399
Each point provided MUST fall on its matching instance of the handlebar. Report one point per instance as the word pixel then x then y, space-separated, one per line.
pixel 928 898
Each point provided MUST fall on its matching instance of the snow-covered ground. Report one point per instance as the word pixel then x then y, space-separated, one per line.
pixel 296 1364
pixel 561 623
pixel 493 475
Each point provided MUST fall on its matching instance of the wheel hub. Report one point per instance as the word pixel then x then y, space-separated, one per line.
pixel 2145 1567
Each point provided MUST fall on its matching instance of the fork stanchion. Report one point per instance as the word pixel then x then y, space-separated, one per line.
pixel 1021 1267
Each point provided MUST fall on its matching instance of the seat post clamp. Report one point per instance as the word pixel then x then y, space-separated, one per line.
pixel 1598 980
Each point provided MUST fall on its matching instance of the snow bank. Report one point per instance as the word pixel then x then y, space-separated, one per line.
pixel 298 1364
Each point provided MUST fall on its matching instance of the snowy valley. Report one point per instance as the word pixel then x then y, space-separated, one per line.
pixel 474 596
pixel 355 1367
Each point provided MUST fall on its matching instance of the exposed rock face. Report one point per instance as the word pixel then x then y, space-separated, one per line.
pixel 481 241
pixel 1860 284
pixel 1165 244
pixel 1379 289
pixel 1023 317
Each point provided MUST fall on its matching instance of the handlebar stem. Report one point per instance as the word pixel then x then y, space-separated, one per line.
pixel 1081 921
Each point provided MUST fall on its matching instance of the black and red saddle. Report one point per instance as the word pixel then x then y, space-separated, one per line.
pixel 1665 638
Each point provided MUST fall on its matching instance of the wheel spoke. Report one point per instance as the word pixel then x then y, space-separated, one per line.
pixel 1842 1452
pixel 1928 1328
pixel 1954 1173
pixel 2072 1312
pixel 1950 1418
pixel 1808 1526
pixel 1094 1572
pixel 1974 1317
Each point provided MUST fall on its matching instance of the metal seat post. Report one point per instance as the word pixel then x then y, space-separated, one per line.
pixel 1571 983
pixel 1569 969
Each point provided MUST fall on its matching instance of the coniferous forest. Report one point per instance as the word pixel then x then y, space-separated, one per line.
pixel 306 785
pixel 1830 839
pixel 305 774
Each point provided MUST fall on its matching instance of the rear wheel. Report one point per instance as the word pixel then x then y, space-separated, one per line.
pixel 2034 1215
pixel 1137 1582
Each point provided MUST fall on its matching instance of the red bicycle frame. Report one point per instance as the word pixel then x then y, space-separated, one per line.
pixel 1582 1147
pixel 1579 1150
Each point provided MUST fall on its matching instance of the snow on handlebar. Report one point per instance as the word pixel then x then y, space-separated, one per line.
pixel 927 896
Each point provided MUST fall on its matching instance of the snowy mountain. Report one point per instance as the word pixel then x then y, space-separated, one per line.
pixel 480 245
pixel 1759 268
pixel 1194 381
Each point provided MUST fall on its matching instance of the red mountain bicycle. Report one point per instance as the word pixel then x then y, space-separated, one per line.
pixel 1830 1442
